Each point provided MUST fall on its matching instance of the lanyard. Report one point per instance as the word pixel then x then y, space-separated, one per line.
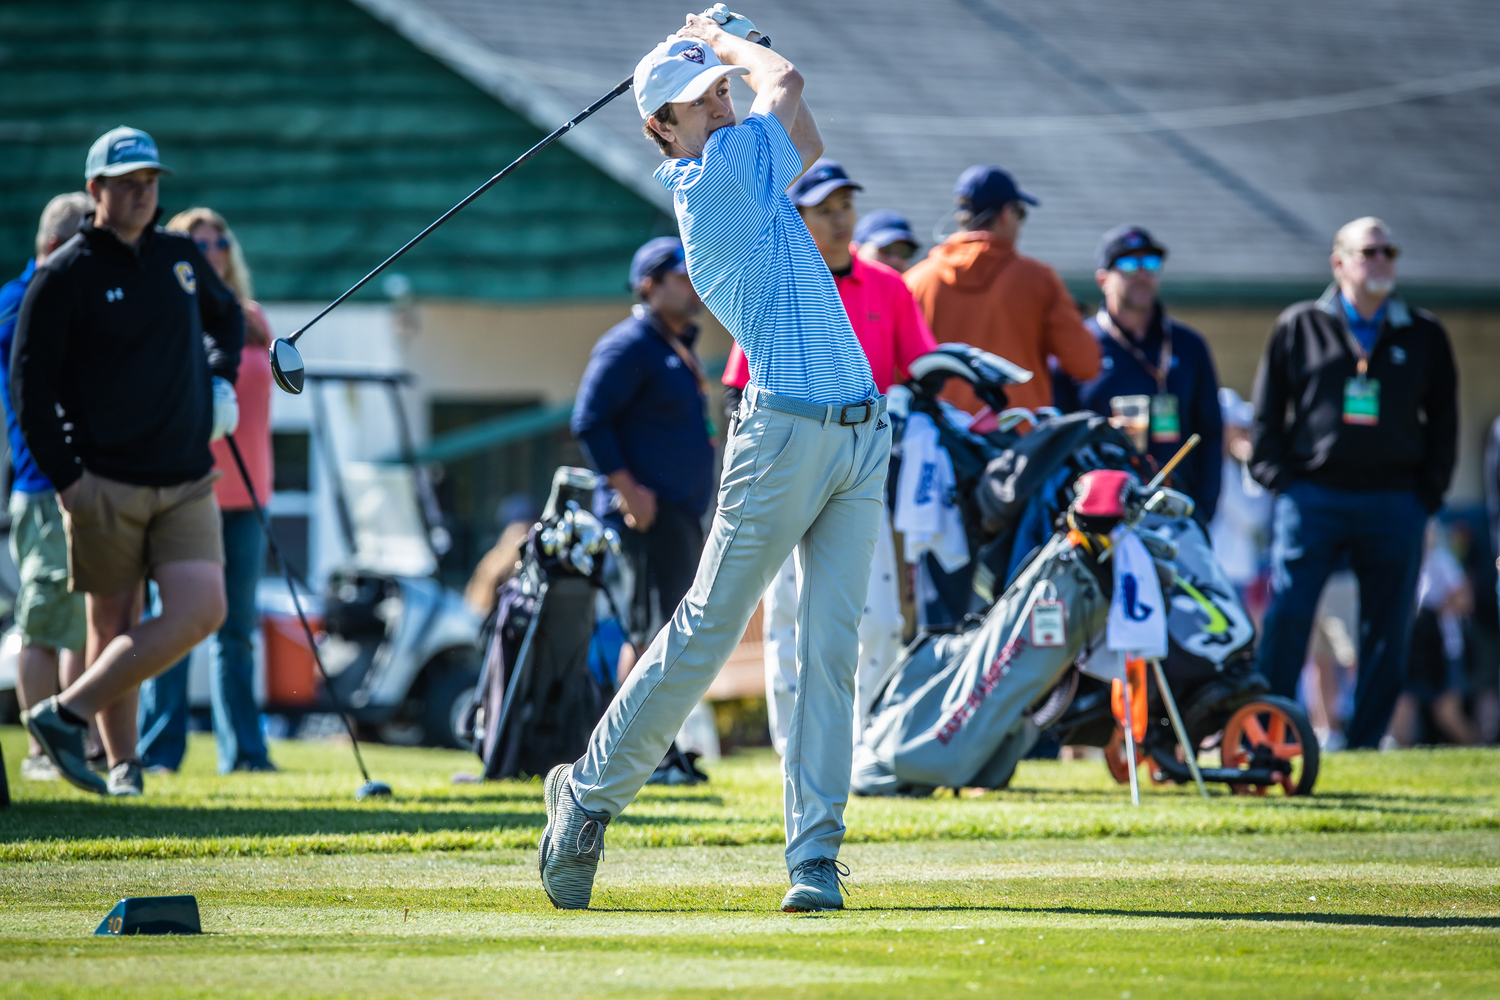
pixel 1159 373
pixel 1362 358
pixel 691 360
pixel 688 357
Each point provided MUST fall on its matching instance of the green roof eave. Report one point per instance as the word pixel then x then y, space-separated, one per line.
pixel 508 82
pixel 1282 292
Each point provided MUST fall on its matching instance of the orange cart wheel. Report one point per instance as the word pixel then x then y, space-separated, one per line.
pixel 1276 728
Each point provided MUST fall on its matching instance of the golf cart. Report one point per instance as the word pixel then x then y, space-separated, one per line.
pixel 399 646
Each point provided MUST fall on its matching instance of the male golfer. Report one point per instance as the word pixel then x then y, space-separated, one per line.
pixel 805 466
pixel 127 330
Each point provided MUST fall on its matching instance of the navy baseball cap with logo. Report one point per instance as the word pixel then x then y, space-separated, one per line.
pixel 884 227
pixel 120 151
pixel 1125 241
pixel 656 258
pixel 987 188
pixel 821 180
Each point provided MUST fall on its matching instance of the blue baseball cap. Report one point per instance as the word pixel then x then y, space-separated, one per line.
pixel 884 227
pixel 1123 241
pixel 656 258
pixel 987 188
pixel 821 180
pixel 120 151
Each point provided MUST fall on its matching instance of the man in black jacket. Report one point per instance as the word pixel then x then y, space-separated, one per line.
pixel 1356 427
pixel 126 350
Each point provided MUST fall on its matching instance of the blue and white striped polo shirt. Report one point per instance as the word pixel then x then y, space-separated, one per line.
pixel 757 269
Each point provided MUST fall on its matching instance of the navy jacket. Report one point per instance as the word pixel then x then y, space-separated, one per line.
pixel 640 408
pixel 1192 380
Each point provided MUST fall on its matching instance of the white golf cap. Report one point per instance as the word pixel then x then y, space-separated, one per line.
pixel 677 70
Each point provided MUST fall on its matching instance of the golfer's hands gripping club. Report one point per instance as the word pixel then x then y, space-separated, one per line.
pixel 226 409
pixel 736 24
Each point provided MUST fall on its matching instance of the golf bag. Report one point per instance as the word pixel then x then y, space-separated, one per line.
pixel 540 694
pixel 961 709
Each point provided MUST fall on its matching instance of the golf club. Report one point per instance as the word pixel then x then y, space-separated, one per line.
pixel 370 787
pixel 286 360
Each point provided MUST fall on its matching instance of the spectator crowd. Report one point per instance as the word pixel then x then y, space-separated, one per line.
pixel 139 388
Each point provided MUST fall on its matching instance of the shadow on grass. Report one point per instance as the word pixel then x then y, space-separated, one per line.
pixel 85 820
pixel 90 819
pixel 1346 919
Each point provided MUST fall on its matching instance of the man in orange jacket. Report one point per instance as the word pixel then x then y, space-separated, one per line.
pixel 974 288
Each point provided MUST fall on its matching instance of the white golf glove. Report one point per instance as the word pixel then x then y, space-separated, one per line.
pixel 735 24
pixel 226 409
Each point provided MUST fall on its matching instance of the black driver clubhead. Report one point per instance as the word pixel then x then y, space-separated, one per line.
pixel 371 789
pixel 287 367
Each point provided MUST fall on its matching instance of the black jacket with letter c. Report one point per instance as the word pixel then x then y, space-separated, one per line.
pixel 126 341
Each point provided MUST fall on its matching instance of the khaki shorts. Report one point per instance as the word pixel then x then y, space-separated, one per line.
pixel 46 613
pixel 119 532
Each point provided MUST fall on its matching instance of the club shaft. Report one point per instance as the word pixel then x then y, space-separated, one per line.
pixel 286 572
pixel 556 134
pixel 1166 470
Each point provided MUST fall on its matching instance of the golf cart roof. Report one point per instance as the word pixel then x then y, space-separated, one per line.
pixel 335 371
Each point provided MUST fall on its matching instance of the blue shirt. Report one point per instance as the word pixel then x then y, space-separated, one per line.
pixel 1191 379
pixel 1366 331
pixel 757 269
pixel 29 478
pixel 640 408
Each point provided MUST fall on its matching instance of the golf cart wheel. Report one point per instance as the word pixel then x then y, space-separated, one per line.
pixel 448 694
pixel 1114 757
pixel 1272 731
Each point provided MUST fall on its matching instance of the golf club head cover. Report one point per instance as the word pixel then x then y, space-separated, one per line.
pixel 1100 498
pixel 226 409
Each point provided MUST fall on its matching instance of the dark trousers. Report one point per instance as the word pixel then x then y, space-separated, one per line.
pixel 660 565
pixel 1381 534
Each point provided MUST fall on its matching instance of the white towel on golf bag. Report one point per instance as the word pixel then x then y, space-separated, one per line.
pixel 926 515
pixel 1137 614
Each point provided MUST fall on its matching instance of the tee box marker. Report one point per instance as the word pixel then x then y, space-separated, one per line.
pixel 153 915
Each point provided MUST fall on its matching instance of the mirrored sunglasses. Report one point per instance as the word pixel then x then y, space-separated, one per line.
pixel 204 246
pixel 1150 262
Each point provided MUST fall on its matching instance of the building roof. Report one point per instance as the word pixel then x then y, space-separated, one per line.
pixel 1242 135
pixel 325 138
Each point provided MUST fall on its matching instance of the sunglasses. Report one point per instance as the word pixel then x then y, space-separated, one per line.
pixel 204 246
pixel 901 249
pixel 1150 263
pixel 1388 252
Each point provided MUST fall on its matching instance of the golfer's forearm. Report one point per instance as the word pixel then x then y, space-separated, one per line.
pixel 805 135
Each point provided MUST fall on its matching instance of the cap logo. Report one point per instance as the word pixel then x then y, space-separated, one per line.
pixel 132 145
pixel 693 53
pixel 185 276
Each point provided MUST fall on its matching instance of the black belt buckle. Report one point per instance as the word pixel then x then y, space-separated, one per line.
pixel 869 408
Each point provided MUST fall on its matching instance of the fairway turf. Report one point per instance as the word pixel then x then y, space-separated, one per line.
pixel 1388 884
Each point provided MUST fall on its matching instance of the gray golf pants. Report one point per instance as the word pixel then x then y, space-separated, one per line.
pixel 789 480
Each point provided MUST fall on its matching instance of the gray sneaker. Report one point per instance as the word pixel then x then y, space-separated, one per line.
pixel 572 843
pixel 125 779
pixel 38 768
pixel 816 885
pixel 62 742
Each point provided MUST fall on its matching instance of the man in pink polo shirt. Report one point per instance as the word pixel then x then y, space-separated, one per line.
pixel 890 328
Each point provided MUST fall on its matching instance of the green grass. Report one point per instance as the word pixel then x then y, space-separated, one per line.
pixel 1387 884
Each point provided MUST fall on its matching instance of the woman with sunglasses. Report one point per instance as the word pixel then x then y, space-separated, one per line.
pixel 1150 358
pixel 236 718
